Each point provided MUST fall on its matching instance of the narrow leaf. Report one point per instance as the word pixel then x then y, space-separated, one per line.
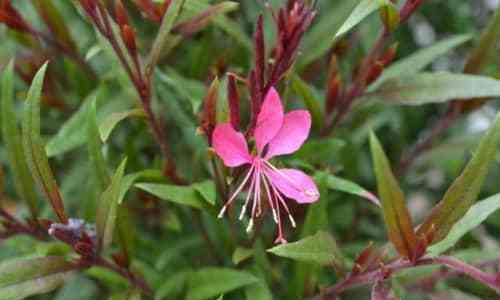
pixel 162 36
pixel 21 278
pixel 98 163
pixel 483 53
pixel 318 40
pixel 207 191
pixel 184 195
pixel 129 180
pixel 476 215
pixel 427 88
pixel 213 282
pixel 13 143
pixel 346 186
pixel 108 209
pixel 464 191
pixel 55 21
pixel 420 59
pixel 71 134
pixel 111 121
pixel 320 248
pixel 241 254
pixel 33 147
pixel 396 215
pixel 362 10
pixel 258 291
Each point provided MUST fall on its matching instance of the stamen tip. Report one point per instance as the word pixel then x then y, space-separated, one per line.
pixel 292 221
pixel 250 226
pixel 222 211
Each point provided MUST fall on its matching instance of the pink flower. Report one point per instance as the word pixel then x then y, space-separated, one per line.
pixel 275 134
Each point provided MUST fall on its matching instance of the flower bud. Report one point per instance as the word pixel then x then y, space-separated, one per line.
pixel 121 14
pixel 128 36
pixel 374 72
pixel 389 54
pixel 233 98
pixel 12 18
pixel 209 113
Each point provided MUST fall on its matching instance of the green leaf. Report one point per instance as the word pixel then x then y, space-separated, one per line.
pixel 212 282
pixel 207 191
pixel 163 34
pixel 258 291
pixel 227 25
pixel 184 195
pixel 172 286
pixel 464 191
pixel 424 88
pixel 396 216
pixel 13 143
pixel 242 254
pixel 476 215
pixel 318 40
pixel 346 186
pixel 56 22
pixel 360 12
pixel 36 157
pixel 486 48
pixel 130 179
pixel 320 151
pixel 74 132
pixel 21 278
pixel 312 104
pixel 98 163
pixel 320 248
pixel 71 134
pixel 110 122
pixel 108 209
pixel 420 59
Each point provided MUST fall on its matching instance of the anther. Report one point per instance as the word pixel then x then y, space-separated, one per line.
pixel 275 216
pixel 243 211
pixel 250 226
pixel 222 211
pixel 292 220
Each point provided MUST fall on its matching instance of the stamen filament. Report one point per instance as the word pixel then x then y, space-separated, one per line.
pixel 247 200
pixel 236 192
pixel 270 198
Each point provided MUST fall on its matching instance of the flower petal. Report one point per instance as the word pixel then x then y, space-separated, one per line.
pixel 294 184
pixel 269 120
pixel 293 133
pixel 230 146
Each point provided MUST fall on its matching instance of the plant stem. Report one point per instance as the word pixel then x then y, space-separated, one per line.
pixel 134 280
pixel 144 90
pixel 359 85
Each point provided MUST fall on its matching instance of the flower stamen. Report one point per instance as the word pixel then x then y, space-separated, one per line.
pixel 236 192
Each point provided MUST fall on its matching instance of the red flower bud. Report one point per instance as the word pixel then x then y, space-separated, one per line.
pixel 128 36
pixel 121 14
pixel 12 18
pixel 209 113
pixel 389 54
pixel 233 98
pixel 374 72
